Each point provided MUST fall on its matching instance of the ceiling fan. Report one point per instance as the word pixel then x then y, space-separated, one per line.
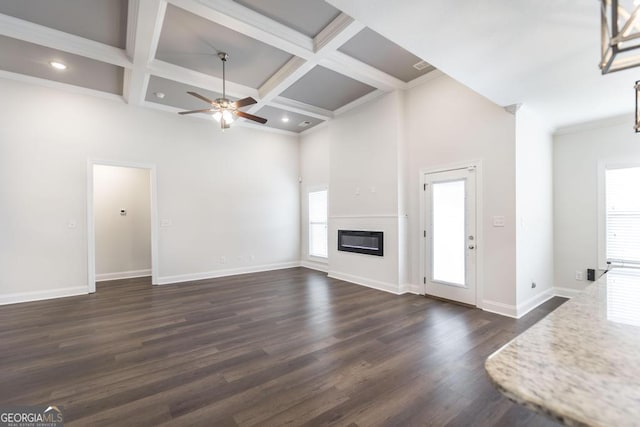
pixel 222 108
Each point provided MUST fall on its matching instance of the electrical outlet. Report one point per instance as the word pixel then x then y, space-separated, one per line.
pixel 223 260
pixel 579 275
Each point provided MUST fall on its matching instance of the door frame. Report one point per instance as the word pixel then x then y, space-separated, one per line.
pixel 91 226
pixel 477 164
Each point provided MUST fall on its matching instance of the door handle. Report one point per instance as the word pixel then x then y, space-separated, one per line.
pixel 471 247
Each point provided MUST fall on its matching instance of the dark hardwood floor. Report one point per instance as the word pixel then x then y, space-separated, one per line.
pixel 288 347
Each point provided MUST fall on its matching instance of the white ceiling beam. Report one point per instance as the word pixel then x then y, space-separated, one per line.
pixel 80 90
pixel 250 23
pixel 143 33
pixel 301 108
pixel 360 101
pixel 59 40
pixel 288 74
pixel 351 67
pixel 196 78
pixel 337 33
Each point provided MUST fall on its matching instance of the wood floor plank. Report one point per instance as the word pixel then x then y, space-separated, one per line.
pixel 287 347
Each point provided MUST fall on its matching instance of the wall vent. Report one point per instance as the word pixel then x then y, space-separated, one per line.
pixel 304 124
pixel 421 65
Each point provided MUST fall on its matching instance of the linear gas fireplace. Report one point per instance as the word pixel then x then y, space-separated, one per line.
pixel 362 242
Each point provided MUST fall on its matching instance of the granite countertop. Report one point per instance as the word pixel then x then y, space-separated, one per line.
pixel 581 364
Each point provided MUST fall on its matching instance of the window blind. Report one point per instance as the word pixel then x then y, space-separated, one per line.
pixel 623 215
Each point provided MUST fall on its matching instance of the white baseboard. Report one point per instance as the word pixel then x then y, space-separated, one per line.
pixel 315 265
pixel 534 302
pixel 123 275
pixel 42 295
pixel 370 283
pixel 566 292
pixel 409 288
pixel 226 272
pixel 500 308
pixel 527 306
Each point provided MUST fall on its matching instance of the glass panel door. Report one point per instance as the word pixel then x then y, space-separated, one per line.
pixel 450 235
pixel 448 227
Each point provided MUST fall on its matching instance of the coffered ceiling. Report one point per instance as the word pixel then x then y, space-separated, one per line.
pixel 304 61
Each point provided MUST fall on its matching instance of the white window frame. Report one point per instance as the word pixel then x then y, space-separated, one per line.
pixel 603 166
pixel 311 257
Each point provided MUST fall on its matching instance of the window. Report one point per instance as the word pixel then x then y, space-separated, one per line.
pixel 318 245
pixel 622 215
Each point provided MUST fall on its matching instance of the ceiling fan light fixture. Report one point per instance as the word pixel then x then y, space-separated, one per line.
pixel 223 110
pixel 620 35
pixel 227 116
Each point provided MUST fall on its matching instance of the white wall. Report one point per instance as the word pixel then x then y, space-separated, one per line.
pixel 534 210
pixel 577 153
pixel 364 190
pixel 314 171
pixel 233 195
pixel 447 123
pixel 123 242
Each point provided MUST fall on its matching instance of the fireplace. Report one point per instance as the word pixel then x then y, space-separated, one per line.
pixel 362 242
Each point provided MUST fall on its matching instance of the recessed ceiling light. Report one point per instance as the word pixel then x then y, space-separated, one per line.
pixel 159 94
pixel 58 65
pixel 285 119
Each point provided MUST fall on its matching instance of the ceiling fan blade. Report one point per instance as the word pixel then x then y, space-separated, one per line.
pixel 245 101
pixel 250 117
pixel 205 110
pixel 204 98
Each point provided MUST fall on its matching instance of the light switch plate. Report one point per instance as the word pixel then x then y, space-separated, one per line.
pixel 165 223
pixel 498 221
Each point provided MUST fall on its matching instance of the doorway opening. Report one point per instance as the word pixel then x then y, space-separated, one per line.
pixel 121 217
pixel 450 239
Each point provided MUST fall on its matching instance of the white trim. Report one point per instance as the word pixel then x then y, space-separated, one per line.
pixel 301 108
pixel 313 129
pixel 123 275
pixel 360 101
pixel 91 229
pixel 42 295
pixel 143 26
pixel 431 75
pixel 250 23
pixel 181 278
pixel 315 265
pixel 596 124
pixel 358 70
pixel 479 178
pixel 534 302
pixel 566 292
pixel 196 78
pixel 366 216
pixel 603 166
pixel 370 283
pixel 410 288
pixel 52 84
pixel 59 40
pixel 507 310
pixel 338 32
